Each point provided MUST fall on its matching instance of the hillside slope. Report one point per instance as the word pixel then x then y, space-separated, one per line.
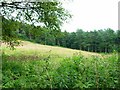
pixel 61 51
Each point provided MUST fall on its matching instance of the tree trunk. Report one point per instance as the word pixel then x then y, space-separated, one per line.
pixel 30 37
pixel 88 49
pixel 105 50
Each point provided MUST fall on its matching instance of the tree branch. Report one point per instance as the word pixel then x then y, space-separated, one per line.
pixel 16 5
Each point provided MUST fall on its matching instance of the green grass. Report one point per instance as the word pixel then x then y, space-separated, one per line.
pixel 39 66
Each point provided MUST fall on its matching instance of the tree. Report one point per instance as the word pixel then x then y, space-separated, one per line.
pixel 48 14
pixel 79 38
pixel 9 32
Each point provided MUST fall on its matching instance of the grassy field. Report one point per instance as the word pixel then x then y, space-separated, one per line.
pixel 40 66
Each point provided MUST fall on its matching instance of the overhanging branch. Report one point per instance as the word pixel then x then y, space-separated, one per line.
pixel 17 5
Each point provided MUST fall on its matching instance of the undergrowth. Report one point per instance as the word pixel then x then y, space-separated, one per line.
pixel 72 72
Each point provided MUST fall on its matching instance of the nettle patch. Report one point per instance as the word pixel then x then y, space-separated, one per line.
pixel 72 72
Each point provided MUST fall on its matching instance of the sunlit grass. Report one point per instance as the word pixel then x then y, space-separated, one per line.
pixel 37 49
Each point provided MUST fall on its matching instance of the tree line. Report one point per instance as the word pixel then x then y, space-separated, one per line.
pixel 95 41
pixel 104 40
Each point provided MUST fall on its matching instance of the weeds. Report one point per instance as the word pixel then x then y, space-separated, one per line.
pixel 72 72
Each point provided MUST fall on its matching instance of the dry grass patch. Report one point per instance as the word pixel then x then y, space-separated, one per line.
pixel 60 51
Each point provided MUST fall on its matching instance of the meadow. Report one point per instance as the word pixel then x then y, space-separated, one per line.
pixel 40 66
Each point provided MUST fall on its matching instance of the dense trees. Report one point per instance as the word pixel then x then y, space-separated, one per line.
pixel 95 41
pixel 106 40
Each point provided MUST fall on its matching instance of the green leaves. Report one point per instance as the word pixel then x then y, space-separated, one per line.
pixel 75 72
pixel 50 14
pixel 9 32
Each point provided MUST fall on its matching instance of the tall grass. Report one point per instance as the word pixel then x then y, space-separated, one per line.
pixel 72 72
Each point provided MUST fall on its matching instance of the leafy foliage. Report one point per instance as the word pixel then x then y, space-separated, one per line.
pixel 49 15
pixel 9 32
pixel 73 72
